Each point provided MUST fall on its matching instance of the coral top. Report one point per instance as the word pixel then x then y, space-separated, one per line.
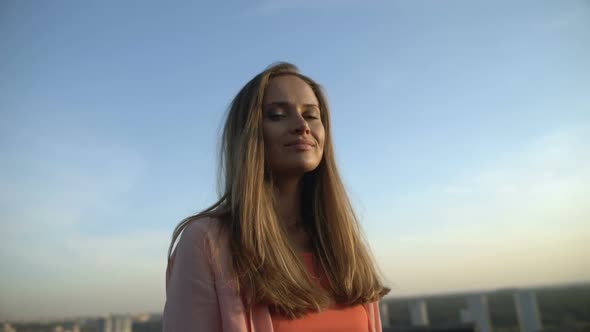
pixel 201 294
pixel 336 318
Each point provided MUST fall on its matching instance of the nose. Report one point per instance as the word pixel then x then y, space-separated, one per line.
pixel 300 125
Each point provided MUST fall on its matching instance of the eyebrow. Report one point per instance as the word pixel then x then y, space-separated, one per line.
pixel 283 104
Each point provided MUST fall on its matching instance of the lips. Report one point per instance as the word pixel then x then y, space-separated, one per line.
pixel 300 143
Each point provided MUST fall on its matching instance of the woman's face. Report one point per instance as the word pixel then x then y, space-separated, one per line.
pixel 292 127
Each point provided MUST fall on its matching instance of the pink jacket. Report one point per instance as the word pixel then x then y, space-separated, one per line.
pixel 199 294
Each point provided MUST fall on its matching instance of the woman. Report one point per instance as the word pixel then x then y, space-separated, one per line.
pixel 281 250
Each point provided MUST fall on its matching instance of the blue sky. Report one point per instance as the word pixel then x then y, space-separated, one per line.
pixel 462 129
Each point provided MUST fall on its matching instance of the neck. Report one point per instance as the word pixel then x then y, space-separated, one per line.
pixel 288 199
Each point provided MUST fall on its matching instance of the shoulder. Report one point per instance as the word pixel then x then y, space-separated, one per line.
pixel 201 231
pixel 201 226
pixel 204 246
pixel 203 235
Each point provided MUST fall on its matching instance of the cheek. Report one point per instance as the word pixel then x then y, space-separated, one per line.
pixel 268 133
pixel 320 135
pixel 271 136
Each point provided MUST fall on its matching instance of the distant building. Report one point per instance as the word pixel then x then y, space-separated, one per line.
pixel 144 317
pixel 8 328
pixel 477 311
pixel 527 310
pixel 465 316
pixel 122 324
pixel 105 324
pixel 116 323
pixel 418 313
pixel 147 322
pixel 384 312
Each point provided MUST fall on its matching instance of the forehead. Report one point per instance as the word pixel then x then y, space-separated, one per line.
pixel 289 89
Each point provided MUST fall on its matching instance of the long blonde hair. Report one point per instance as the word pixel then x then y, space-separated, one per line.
pixel 264 262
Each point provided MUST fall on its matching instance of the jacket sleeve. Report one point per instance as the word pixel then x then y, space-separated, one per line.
pixel 377 311
pixel 191 299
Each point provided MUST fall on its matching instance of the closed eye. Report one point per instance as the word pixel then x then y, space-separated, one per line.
pixel 276 116
pixel 311 114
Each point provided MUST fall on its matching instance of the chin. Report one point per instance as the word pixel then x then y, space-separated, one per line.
pixel 298 167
